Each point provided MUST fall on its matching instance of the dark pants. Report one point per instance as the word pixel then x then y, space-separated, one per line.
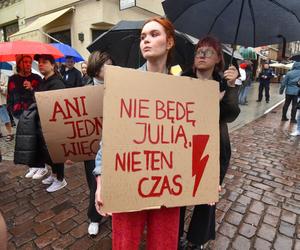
pixel 59 170
pixel 288 100
pixel 262 86
pixel 202 225
pixel 91 180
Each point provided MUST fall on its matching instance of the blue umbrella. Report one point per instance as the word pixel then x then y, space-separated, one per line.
pixel 6 66
pixel 67 51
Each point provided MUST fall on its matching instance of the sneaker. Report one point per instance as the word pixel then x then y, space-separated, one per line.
pixel 93 228
pixel 56 185
pixel 296 133
pixel 293 121
pixel 49 180
pixel 40 173
pixel 31 172
pixel 267 101
pixel 258 100
pixel 284 119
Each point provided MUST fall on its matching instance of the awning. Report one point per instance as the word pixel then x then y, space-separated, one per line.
pixel 39 23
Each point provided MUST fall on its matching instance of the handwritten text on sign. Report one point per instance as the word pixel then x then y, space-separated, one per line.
pixel 75 120
pixel 177 113
pixel 160 145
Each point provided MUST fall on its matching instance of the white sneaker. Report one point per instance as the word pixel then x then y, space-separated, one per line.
pixel 56 185
pixel 31 172
pixel 49 180
pixel 296 133
pixel 93 228
pixel 40 173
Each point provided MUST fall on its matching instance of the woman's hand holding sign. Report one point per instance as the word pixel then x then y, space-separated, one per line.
pixel 98 198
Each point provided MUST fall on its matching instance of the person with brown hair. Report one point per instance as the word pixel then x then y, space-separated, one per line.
pixel 96 63
pixel 209 65
pixel 157 43
pixel 29 129
pixel 85 78
pixel 95 70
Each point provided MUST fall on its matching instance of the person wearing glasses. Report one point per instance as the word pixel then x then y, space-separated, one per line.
pixel 209 65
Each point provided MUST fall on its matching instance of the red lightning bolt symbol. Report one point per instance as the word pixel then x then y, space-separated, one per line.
pixel 199 144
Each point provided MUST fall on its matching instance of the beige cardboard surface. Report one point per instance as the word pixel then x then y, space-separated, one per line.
pixel 71 122
pixel 160 131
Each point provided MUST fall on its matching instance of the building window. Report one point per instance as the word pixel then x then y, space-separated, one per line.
pixel 62 36
pixel 7 30
pixel 96 33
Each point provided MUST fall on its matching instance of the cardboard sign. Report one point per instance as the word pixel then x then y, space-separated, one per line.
pixel 160 141
pixel 71 122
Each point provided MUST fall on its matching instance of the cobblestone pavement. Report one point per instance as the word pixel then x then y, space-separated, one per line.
pixel 259 206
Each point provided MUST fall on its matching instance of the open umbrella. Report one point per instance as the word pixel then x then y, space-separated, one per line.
pixel 295 58
pixel 5 66
pixel 9 50
pixel 245 22
pixel 122 42
pixel 67 51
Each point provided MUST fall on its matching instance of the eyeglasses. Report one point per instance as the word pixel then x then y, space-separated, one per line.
pixel 204 53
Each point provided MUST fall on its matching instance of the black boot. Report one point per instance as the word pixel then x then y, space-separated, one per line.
pixel 182 244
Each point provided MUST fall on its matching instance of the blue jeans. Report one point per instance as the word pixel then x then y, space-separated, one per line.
pixel 298 121
pixel 243 94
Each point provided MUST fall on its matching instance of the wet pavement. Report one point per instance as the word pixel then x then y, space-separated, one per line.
pixel 259 206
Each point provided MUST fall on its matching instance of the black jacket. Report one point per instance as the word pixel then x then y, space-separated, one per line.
pixel 265 76
pixel 229 111
pixel 71 78
pixel 30 147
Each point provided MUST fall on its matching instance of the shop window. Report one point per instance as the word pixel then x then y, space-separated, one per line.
pixel 62 36
pixel 96 33
pixel 7 30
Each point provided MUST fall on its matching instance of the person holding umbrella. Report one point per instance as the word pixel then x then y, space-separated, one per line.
pixel 208 65
pixel 20 95
pixel 156 44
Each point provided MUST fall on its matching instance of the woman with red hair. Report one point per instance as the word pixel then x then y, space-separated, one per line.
pixel 157 42
pixel 209 65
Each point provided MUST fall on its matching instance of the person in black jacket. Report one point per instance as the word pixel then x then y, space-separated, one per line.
pixel 95 71
pixel 264 82
pixel 208 65
pixel 71 75
pixel 51 81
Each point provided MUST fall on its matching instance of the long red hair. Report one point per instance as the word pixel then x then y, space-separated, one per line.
pixel 213 42
pixel 170 32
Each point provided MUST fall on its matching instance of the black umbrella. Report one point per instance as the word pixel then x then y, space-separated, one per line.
pixel 122 42
pixel 250 23
pixel 295 58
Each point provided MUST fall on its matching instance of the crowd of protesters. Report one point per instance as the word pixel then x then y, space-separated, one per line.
pixel 165 226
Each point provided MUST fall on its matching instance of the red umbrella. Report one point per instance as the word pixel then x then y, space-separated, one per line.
pixel 9 50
